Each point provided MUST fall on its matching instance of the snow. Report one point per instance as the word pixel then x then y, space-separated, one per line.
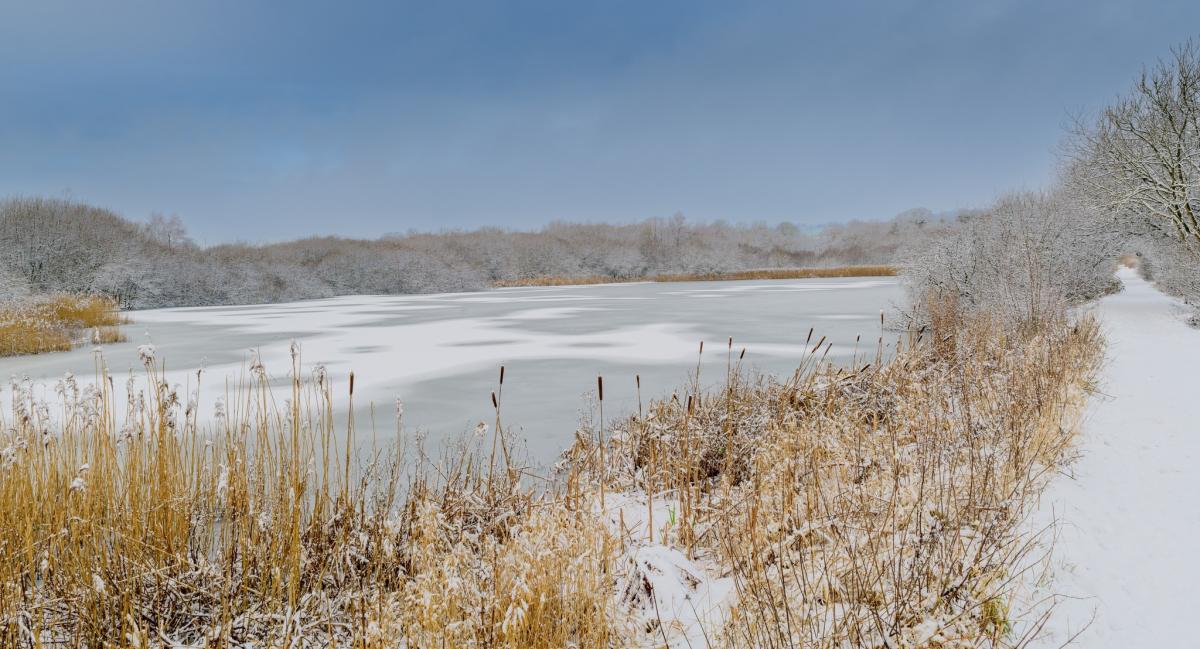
pixel 668 597
pixel 663 586
pixel 1125 563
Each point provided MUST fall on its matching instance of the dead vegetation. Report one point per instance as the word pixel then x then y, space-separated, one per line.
pixel 768 273
pixel 58 323
pixel 870 506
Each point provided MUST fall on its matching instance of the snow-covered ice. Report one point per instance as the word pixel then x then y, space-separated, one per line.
pixel 1125 561
pixel 441 353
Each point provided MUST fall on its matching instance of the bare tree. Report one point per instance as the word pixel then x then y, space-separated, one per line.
pixel 168 230
pixel 1141 157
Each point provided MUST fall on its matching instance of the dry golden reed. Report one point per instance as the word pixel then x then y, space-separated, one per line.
pixel 770 273
pixel 872 505
pixel 57 323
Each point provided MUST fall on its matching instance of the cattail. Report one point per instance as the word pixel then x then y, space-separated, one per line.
pixel 600 386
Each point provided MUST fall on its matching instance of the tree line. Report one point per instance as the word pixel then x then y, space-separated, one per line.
pixel 1129 184
pixel 50 245
pixel 1138 163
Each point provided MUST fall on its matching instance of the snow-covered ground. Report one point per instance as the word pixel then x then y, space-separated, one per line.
pixel 1126 561
pixel 668 598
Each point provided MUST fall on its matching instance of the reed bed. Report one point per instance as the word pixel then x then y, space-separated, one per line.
pixel 58 323
pixel 768 273
pixel 870 506
pixel 882 505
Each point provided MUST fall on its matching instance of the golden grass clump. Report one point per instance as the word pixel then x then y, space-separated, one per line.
pixel 270 525
pixel 20 334
pixel 769 273
pixel 877 505
pixel 881 505
pixel 58 323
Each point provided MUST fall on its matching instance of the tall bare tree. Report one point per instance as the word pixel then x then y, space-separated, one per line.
pixel 1141 157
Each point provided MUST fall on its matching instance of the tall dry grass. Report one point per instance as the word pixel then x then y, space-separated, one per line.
pixel 876 505
pixel 768 273
pixel 57 323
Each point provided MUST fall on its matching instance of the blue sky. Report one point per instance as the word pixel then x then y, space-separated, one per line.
pixel 260 121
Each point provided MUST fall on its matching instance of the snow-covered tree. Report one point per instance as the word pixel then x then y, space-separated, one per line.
pixel 1025 259
pixel 1139 162
pixel 55 245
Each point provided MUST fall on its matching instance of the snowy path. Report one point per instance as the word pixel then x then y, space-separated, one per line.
pixel 1129 547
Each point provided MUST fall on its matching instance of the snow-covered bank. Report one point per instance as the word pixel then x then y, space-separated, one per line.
pixel 1124 562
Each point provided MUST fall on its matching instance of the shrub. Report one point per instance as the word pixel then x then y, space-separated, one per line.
pixel 1025 259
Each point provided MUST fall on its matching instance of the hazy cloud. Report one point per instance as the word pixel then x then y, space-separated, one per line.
pixel 275 120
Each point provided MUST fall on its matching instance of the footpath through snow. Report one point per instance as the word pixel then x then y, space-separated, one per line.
pixel 1127 557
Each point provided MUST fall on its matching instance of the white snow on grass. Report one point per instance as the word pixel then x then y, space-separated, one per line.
pixel 669 598
pixel 673 599
pixel 1125 562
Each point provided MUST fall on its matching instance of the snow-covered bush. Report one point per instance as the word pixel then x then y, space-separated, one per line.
pixel 1024 259
pixel 1173 267
pixel 13 287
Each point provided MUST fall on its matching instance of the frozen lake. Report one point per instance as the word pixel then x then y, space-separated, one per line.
pixel 441 354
